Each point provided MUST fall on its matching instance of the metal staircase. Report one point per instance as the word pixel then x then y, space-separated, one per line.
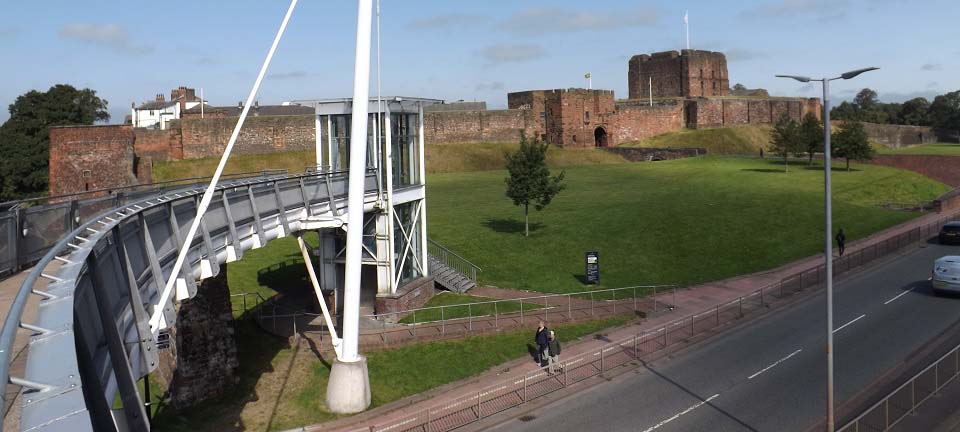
pixel 450 270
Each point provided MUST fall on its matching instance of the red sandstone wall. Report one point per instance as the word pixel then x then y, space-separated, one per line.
pixel 159 145
pixel 263 134
pixel 945 169
pixel 445 127
pixel 633 123
pixel 105 151
pixel 704 74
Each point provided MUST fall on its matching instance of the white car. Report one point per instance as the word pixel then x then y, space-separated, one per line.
pixel 946 275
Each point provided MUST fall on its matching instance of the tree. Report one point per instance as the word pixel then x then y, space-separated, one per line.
pixel 811 135
pixel 915 112
pixel 25 138
pixel 530 181
pixel 786 139
pixel 851 143
pixel 945 111
pixel 866 100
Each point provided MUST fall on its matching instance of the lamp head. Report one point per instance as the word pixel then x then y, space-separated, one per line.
pixel 796 77
pixel 853 73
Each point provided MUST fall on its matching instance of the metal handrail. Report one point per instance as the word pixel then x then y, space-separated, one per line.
pixel 262 173
pixel 454 254
pixel 13 320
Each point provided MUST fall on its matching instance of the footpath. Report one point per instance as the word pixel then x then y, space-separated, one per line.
pixel 684 303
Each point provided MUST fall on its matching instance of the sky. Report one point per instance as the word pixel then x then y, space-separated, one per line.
pixel 477 50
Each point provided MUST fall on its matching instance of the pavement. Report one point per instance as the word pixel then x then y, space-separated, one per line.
pixel 770 375
pixel 717 367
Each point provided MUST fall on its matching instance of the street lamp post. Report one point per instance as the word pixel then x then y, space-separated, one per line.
pixel 829 225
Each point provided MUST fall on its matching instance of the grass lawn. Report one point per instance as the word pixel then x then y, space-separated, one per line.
pixel 283 388
pixel 448 298
pixel 946 149
pixel 672 222
pixel 273 268
pixel 733 140
pixel 401 372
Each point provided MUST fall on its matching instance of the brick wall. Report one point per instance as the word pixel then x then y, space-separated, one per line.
pixel 637 121
pixel 941 168
pixel 897 136
pixel 665 70
pixel 447 127
pixel 410 296
pixel 716 112
pixel 572 116
pixel 159 145
pixel 948 202
pixel 704 74
pixel 533 101
pixel 202 361
pixel 261 134
pixel 91 157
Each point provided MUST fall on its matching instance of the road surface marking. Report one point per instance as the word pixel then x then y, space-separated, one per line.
pixel 774 364
pixel 676 416
pixel 851 322
pixel 898 296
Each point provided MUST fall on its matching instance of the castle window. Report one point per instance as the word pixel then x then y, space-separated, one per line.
pixel 543 115
pixel 574 139
pixel 586 116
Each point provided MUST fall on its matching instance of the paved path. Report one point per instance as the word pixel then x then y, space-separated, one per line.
pixel 687 301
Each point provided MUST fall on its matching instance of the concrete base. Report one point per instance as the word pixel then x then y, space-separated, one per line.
pixel 348 390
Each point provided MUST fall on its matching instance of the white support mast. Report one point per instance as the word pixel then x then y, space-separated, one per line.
pixel 156 320
pixel 686 25
pixel 348 389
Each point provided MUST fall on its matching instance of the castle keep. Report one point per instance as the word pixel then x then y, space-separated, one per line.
pixel 668 91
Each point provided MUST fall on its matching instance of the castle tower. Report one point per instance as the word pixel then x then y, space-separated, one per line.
pixel 687 74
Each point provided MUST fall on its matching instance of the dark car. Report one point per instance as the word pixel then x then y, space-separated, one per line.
pixel 950 233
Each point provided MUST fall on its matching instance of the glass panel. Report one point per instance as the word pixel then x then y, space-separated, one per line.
pixel 410 269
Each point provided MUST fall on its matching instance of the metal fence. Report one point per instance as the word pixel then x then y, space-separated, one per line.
pixel 30 227
pixel 517 391
pixel 904 401
pixel 480 317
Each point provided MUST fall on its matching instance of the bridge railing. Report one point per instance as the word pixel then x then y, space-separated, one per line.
pixel 29 227
pixel 91 340
pixel 903 401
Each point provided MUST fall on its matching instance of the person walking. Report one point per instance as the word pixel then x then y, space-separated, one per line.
pixel 841 240
pixel 541 339
pixel 553 353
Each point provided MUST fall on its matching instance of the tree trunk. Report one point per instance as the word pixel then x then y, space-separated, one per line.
pixel 526 220
pixel 848 164
pixel 811 160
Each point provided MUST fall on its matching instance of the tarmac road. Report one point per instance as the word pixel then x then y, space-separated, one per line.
pixel 770 375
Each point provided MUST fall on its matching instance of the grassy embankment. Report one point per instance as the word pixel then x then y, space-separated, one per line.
pixel 940 149
pixel 735 140
pixel 439 158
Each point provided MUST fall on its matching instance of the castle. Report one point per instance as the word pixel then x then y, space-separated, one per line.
pixel 668 91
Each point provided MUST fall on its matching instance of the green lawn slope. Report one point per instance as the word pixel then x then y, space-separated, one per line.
pixel 734 140
pixel 673 222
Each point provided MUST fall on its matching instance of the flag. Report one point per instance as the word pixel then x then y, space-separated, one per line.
pixel 587 75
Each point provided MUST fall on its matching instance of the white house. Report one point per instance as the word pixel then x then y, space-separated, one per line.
pixel 157 113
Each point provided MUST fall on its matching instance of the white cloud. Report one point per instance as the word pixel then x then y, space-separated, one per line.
pixel 447 21
pixel 931 67
pixel 821 10
pixel 110 36
pixel 552 20
pixel 501 53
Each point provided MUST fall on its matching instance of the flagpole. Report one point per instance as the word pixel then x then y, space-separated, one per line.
pixel 686 24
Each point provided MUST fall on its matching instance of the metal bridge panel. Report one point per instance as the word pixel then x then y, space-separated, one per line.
pixel 90 208
pixel 44 227
pixel 8 242
pixel 80 346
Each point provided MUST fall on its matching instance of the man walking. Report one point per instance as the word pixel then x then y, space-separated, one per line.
pixel 553 351
pixel 841 240
pixel 541 339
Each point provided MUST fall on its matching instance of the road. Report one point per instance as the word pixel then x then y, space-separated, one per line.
pixel 770 375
